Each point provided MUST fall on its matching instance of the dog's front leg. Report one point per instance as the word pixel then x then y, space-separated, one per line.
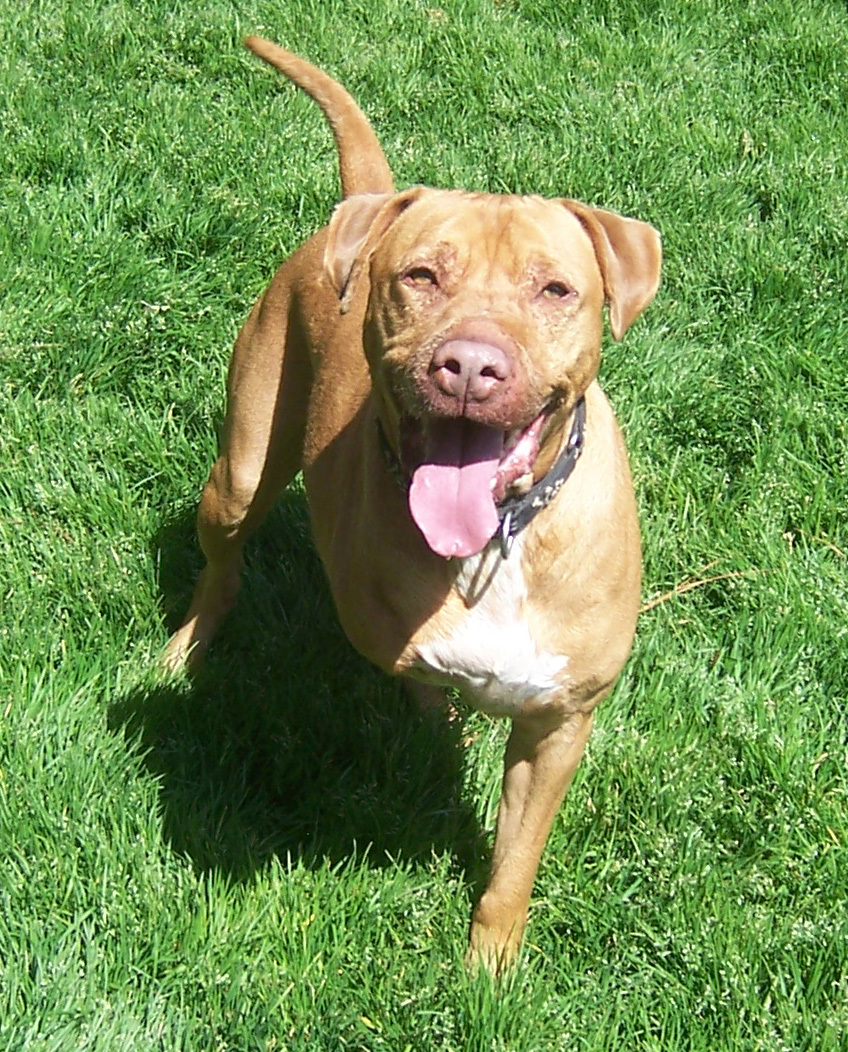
pixel 540 763
pixel 269 383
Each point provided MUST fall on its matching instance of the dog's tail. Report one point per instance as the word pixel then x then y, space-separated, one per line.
pixel 362 163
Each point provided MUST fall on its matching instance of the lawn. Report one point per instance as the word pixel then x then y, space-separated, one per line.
pixel 282 855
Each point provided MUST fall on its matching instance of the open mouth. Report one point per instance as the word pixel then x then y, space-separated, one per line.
pixel 461 471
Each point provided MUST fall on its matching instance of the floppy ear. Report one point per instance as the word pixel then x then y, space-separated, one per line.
pixel 629 254
pixel 356 226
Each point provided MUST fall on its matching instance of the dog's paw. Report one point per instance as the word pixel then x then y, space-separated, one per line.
pixel 492 949
pixel 183 651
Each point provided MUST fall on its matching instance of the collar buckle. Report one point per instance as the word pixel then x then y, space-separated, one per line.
pixel 505 535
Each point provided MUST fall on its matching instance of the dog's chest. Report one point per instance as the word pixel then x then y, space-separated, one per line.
pixel 490 654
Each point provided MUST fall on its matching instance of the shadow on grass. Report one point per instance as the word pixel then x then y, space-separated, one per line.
pixel 287 743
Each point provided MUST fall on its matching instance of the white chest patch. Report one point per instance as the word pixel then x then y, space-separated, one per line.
pixel 491 655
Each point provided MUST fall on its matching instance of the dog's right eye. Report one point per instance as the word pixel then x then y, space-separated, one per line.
pixel 420 277
pixel 556 290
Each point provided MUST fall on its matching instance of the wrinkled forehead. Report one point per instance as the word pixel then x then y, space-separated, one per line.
pixel 513 233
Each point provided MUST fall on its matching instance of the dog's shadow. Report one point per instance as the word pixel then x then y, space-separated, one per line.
pixel 287 743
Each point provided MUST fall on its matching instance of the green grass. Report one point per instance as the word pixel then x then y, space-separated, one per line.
pixel 282 856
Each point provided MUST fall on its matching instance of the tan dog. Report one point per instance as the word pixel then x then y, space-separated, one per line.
pixel 428 359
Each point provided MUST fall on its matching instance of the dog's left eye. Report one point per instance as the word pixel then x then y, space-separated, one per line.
pixel 556 291
pixel 421 277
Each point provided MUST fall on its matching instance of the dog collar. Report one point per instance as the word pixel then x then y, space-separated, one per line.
pixel 514 513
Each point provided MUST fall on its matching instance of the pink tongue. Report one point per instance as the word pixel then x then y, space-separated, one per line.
pixel 451 494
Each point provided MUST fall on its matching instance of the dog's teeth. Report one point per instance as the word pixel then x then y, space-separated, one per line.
pixel 510 440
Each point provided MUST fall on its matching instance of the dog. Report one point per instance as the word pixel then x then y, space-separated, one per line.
pixel 429 361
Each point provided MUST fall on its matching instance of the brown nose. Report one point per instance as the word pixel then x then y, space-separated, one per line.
pixel 468 370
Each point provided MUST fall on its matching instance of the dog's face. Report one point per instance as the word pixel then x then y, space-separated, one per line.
pixel 483 330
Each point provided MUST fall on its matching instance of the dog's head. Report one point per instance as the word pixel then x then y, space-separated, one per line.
pixel 483 330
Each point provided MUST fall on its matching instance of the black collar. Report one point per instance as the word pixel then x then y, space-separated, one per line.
pixel 514 513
